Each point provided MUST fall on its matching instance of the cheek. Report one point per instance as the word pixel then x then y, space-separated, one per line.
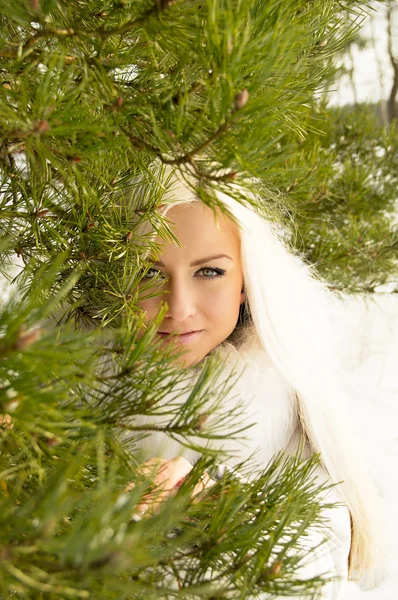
pixel 150 307
pixel 222 305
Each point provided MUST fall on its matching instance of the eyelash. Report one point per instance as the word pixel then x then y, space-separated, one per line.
pixel 218 272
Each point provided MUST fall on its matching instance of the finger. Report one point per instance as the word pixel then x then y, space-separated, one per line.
pixel 170 475
pixel 6 421
pixel 204 482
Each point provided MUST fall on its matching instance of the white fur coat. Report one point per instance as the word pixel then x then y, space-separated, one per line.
pixel 269 405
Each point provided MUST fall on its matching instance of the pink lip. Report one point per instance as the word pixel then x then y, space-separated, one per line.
pixel 181 338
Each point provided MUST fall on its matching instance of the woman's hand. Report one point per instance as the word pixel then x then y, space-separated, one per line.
pixel 6 422
pixel 168 475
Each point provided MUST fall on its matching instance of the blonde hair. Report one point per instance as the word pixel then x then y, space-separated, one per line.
pixel 290 310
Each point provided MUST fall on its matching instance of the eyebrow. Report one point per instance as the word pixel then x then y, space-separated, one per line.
pixel 200 261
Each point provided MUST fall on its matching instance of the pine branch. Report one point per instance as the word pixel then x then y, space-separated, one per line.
pixel 102 33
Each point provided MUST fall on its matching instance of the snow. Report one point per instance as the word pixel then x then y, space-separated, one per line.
pixel 371 350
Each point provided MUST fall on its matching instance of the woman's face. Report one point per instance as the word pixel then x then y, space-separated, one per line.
pixel 201 282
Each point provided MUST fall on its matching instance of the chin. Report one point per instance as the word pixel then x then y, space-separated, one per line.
pixel 189 360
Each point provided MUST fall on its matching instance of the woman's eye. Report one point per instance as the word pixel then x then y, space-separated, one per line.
pixel 153 274
pixel 210 273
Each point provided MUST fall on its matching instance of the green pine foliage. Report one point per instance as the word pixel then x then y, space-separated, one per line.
pixel 343 205
pixel 95 95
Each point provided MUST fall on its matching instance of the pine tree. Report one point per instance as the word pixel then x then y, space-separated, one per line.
pixel 341 209
pixel 93 95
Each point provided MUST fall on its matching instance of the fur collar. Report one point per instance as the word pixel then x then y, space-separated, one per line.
pixel 267 401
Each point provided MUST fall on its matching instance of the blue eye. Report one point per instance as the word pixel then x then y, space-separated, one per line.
pixel 211 272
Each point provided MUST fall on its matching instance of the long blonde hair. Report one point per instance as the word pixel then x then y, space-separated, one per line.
pixel 290 310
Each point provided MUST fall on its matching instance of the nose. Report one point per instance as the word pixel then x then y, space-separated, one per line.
pixel 181 300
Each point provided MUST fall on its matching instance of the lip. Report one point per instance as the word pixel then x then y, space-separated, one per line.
pixel 180 338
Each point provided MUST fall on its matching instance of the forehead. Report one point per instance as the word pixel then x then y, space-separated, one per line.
pixel 202 230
